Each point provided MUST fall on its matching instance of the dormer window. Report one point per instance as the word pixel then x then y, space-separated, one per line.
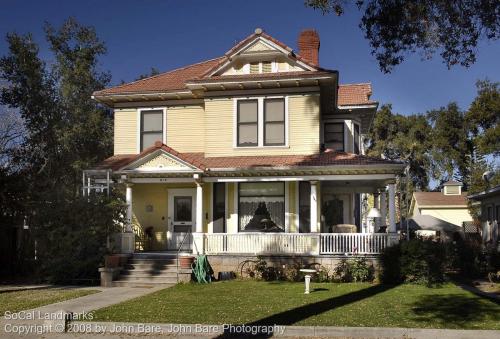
pixel 267 67
pixel 261 67
pixel 254 67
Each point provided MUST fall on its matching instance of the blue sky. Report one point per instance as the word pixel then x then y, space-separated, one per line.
pixel 169 34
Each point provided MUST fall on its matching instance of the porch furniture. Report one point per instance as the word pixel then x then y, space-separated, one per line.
pixel 307 278
pixel 344 228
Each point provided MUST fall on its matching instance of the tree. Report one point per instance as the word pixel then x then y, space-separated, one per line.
pixel 451 146
pixel 395 29
pixel 399 137
pixel 66 132
pixel 483 117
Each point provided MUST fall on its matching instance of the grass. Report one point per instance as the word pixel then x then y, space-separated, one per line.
pixel 27 299
pixel 348 304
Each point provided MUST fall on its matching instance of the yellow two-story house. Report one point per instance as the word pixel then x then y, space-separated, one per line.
pixel 258 151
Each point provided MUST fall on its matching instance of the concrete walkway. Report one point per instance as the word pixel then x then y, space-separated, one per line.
pixel 53 314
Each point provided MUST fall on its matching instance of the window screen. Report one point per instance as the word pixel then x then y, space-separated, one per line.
pixel 334 136
pixel 356 139
pixel 247 123
pixel 274 122
pixel 151 128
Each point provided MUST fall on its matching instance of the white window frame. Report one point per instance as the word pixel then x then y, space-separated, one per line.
pixel 164 127
pixel 260 122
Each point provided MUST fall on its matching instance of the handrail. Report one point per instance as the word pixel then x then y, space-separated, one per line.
pixel 178 251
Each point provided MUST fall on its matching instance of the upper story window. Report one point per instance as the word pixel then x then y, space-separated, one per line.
pixel 247 120
pixel 151 128
pixel 357 149
pixel 261 122
pixel 334 135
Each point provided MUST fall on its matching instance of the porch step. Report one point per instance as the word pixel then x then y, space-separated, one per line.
pixel 122 283
pixel 152 269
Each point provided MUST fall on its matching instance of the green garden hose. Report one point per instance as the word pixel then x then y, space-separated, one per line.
pixel 201 269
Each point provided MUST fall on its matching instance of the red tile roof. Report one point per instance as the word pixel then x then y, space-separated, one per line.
pixel 326 158
pixel 355 94
pixel 439 199
pixel 169 81
pixel 175 80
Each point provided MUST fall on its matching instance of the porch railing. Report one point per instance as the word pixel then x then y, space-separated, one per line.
pixel 297 243
pixel 355 243
pixel 261 243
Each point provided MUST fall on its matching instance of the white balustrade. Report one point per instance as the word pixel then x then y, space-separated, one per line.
pixel 297 243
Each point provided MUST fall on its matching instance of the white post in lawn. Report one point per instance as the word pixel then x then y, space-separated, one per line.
pixel 314 207
pixel 383 208
pixel 128 199
pixel 392 208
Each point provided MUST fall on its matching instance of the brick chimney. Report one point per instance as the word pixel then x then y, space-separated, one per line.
pixel 309 46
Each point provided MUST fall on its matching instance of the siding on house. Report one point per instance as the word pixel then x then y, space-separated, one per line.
pixel 454 216
pixel 303 134
pixel 186 128
pixel 125 131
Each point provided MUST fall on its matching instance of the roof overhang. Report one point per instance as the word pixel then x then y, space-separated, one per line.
pixel 263 83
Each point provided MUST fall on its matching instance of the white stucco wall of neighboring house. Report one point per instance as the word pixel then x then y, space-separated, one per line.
pixel 454 216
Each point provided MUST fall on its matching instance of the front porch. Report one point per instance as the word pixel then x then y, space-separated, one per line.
pixel 326 204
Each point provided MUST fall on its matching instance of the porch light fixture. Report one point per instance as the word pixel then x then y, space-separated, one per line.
pixel 374 213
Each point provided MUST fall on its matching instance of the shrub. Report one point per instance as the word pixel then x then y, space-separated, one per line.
pixel 416 261
pixel 356 269
pixel 390 265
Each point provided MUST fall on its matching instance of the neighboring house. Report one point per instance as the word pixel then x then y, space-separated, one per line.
pixel 259 151
pixel 435 210
pixel 490 213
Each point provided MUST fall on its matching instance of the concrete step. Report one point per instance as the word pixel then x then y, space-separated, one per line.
pixel 120 283
pixel 154 272
pixel 148 278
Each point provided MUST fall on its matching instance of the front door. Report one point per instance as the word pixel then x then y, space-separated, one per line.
pixel 181 215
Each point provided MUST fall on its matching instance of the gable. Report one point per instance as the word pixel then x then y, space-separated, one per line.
pixel 262 54
pixel 160 161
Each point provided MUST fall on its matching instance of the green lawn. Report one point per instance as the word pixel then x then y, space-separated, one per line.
pixel 354 304
pixel 23 300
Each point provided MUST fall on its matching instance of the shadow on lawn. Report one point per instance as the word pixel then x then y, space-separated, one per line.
pixel 297 314
pixel 454 310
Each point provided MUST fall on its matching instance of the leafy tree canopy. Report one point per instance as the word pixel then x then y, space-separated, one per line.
pixel 395 29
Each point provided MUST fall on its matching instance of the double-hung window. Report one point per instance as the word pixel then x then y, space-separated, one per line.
pixel 334 135
pixel 248 123
pixel 260 122
pixel 151 128
pixel 274 122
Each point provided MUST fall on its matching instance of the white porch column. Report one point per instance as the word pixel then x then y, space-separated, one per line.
pixel 126 240
pixel 314 207
pixel 376 205
pixel 199 207
pixel 392 208
pixel 383 208
pixel 198 239
pixel 128 199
